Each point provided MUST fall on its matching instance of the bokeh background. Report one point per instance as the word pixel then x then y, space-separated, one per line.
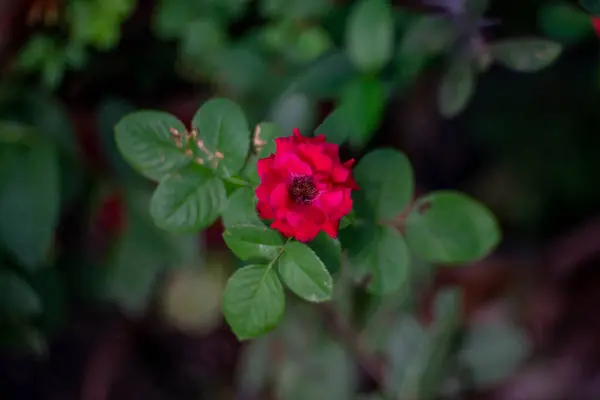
pixel 96 303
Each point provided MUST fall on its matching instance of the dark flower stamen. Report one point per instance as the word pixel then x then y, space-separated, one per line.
pixel 303 189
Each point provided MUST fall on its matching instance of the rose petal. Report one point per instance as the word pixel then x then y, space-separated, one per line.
pixel 314 154
pixel 282 227
pixel 265 165
pixel 264 210
pixel 292 164
pixel 284 145
pixel 263 192
pixel 279 196
pixel 340 173
pixel 306 233
pixel 331 228
pixel 331 201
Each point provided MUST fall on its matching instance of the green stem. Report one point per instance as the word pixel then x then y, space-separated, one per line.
pixel 279 253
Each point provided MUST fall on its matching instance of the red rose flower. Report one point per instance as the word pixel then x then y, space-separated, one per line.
pixel 304 187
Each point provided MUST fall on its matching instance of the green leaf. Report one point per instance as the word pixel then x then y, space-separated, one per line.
pixel 592 6
pixel 564 22
pixel 493 351
pixel 29 201
pixel 361 108
pixel 449 227
pixel 379 256
pixel 253 301
pixel 370 34
pixel 253 242
pixel 383 194
pixel 222 125
pixel 526 54
pixel 18 300
pixel 304 273
pixel 188 200
pixel 144 139
pixel 457 88
pixel 241 208
pixel 328 250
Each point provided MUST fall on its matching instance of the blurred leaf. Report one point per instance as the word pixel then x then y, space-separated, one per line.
pixel 253 301
pixel 223 127
pixel 304 273
pixel 293 110
pixel 526 54
pixel 311 43
pixel 335 127
pixel 34 53
pixel 53 71
pixel 44 114
pixel 25 339
pixel 294 9
pixel 202 42
pixel 325 77
pixel 18 301
pixel 449 227
pixel 383 194
pixel 457 88
pixel 144 140
pixel 254 367
pixel 592 6
pixel 171 18
pixel 109 114
pixel 362 106
pixel 253 242
pixel 241 70
pixel 427 370
pixel 50 287
pixel 29 201
pixel 370 34
pixel 493 351
pixel 405 342
pixel 241 208
pixel 141 254
pixel 379 256
pixel 328 250
pixel 97 23
pixel 324 371
pixel 188 200
pixel 427 35
pixel 564 22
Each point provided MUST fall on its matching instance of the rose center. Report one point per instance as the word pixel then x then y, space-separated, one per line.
pixel 303 189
